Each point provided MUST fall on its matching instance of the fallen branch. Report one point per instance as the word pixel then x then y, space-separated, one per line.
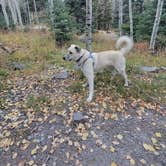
pixel 6 49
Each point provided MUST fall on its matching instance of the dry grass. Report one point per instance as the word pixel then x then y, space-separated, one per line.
pixel 38 51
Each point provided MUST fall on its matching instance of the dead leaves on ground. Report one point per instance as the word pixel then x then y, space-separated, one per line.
pixel 22 116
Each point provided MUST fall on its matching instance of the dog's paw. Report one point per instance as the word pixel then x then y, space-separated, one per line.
pixel 85 85
pixel 126 85
pixel 89 99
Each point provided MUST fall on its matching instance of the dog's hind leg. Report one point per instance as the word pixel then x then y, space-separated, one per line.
pixel 114 73
pixel 123 73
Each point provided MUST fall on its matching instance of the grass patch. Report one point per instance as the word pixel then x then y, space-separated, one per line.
pixel 38 51
pixel 37 102
pixel 3 73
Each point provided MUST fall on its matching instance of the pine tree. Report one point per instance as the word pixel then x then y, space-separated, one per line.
pixel 63 23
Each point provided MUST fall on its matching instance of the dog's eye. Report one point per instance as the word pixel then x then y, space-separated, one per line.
pixel 70 52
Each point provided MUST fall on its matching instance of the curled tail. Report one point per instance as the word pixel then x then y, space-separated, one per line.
pixel 125 44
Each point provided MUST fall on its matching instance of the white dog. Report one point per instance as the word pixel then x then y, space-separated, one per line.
pixel 91 63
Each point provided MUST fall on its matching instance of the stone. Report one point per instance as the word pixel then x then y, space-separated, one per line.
pixel 79 117
pixel 148 69
pixel 61 75
pixel 18 66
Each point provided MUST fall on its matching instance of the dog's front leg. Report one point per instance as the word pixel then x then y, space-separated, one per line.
pixel 91 88
pixel 88 72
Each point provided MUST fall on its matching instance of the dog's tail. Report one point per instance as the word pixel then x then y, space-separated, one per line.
pixel 125 44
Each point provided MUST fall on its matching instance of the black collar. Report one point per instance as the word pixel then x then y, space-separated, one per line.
pixel 79 58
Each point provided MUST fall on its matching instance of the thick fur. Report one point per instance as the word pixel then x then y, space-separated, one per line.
pixel 101 60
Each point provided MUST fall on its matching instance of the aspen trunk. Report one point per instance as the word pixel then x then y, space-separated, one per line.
pixel 131 19
pixel 36 14
pixel 120 17
pixel 29 14
pixel 88 24
pixel 51 9
pixel 13 12
pixel 156 25
pixel 17 7
pixel 2 2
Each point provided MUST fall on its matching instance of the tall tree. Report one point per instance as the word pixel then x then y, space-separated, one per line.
pixel 29 13
pixel 120 17
pixel 17 7
pixel 131 18
pixel 3 4
pixel 88 24
pixel 51 11
pixel 156 25
pixel 36 14
pixel 13 12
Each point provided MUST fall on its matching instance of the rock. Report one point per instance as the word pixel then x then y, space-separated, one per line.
pixel 79 117
pixel 18 66
pixel 61 75
pixel 163 68
pixel 148 69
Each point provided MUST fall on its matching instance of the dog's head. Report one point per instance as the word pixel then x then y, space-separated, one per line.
pixel 73 53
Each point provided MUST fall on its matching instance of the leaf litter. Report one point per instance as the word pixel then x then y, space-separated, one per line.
pixel 37 122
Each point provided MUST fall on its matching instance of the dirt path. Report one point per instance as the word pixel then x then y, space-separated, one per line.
pixel 37 127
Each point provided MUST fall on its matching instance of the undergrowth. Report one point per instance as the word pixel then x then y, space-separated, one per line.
pixel 37 51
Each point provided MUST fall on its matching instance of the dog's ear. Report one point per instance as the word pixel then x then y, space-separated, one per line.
pixel 78 49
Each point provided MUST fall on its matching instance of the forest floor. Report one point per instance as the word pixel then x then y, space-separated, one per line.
pixel 44 120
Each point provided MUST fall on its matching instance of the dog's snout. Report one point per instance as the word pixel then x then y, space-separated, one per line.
pixel 64 57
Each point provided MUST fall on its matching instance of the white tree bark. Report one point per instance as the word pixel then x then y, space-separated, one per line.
pixel 51 9
pixel 36 14
pixel 29 14
pixel 120 17
pixel 17 7
pixel 88 24
pixel 3 4
pixel 13 12
pixel 131 19
pixel 156 25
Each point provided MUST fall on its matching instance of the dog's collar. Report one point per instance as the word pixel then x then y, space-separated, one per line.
pixel 89 57
pixel 79 58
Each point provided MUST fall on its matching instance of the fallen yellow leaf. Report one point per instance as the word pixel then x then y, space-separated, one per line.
pixel 14 155
pixel 132 161
pixel 44 148
pixel 84 136
pixel 149 147
pixel 112 149
pixel 31 162
pixel 34 151
pixel 119 136
pixel 113 164
pixel 158 134
pixel 154 140
pixel 143 161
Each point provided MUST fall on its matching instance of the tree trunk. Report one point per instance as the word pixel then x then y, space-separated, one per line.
pixel 13 12
pixel 131 19
pixel 156 25
pixel 120 17
pixel 17 7
pixel 88 24
pixel 36 15
pixel 29 14
pixel 4 12
pixel 51 9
